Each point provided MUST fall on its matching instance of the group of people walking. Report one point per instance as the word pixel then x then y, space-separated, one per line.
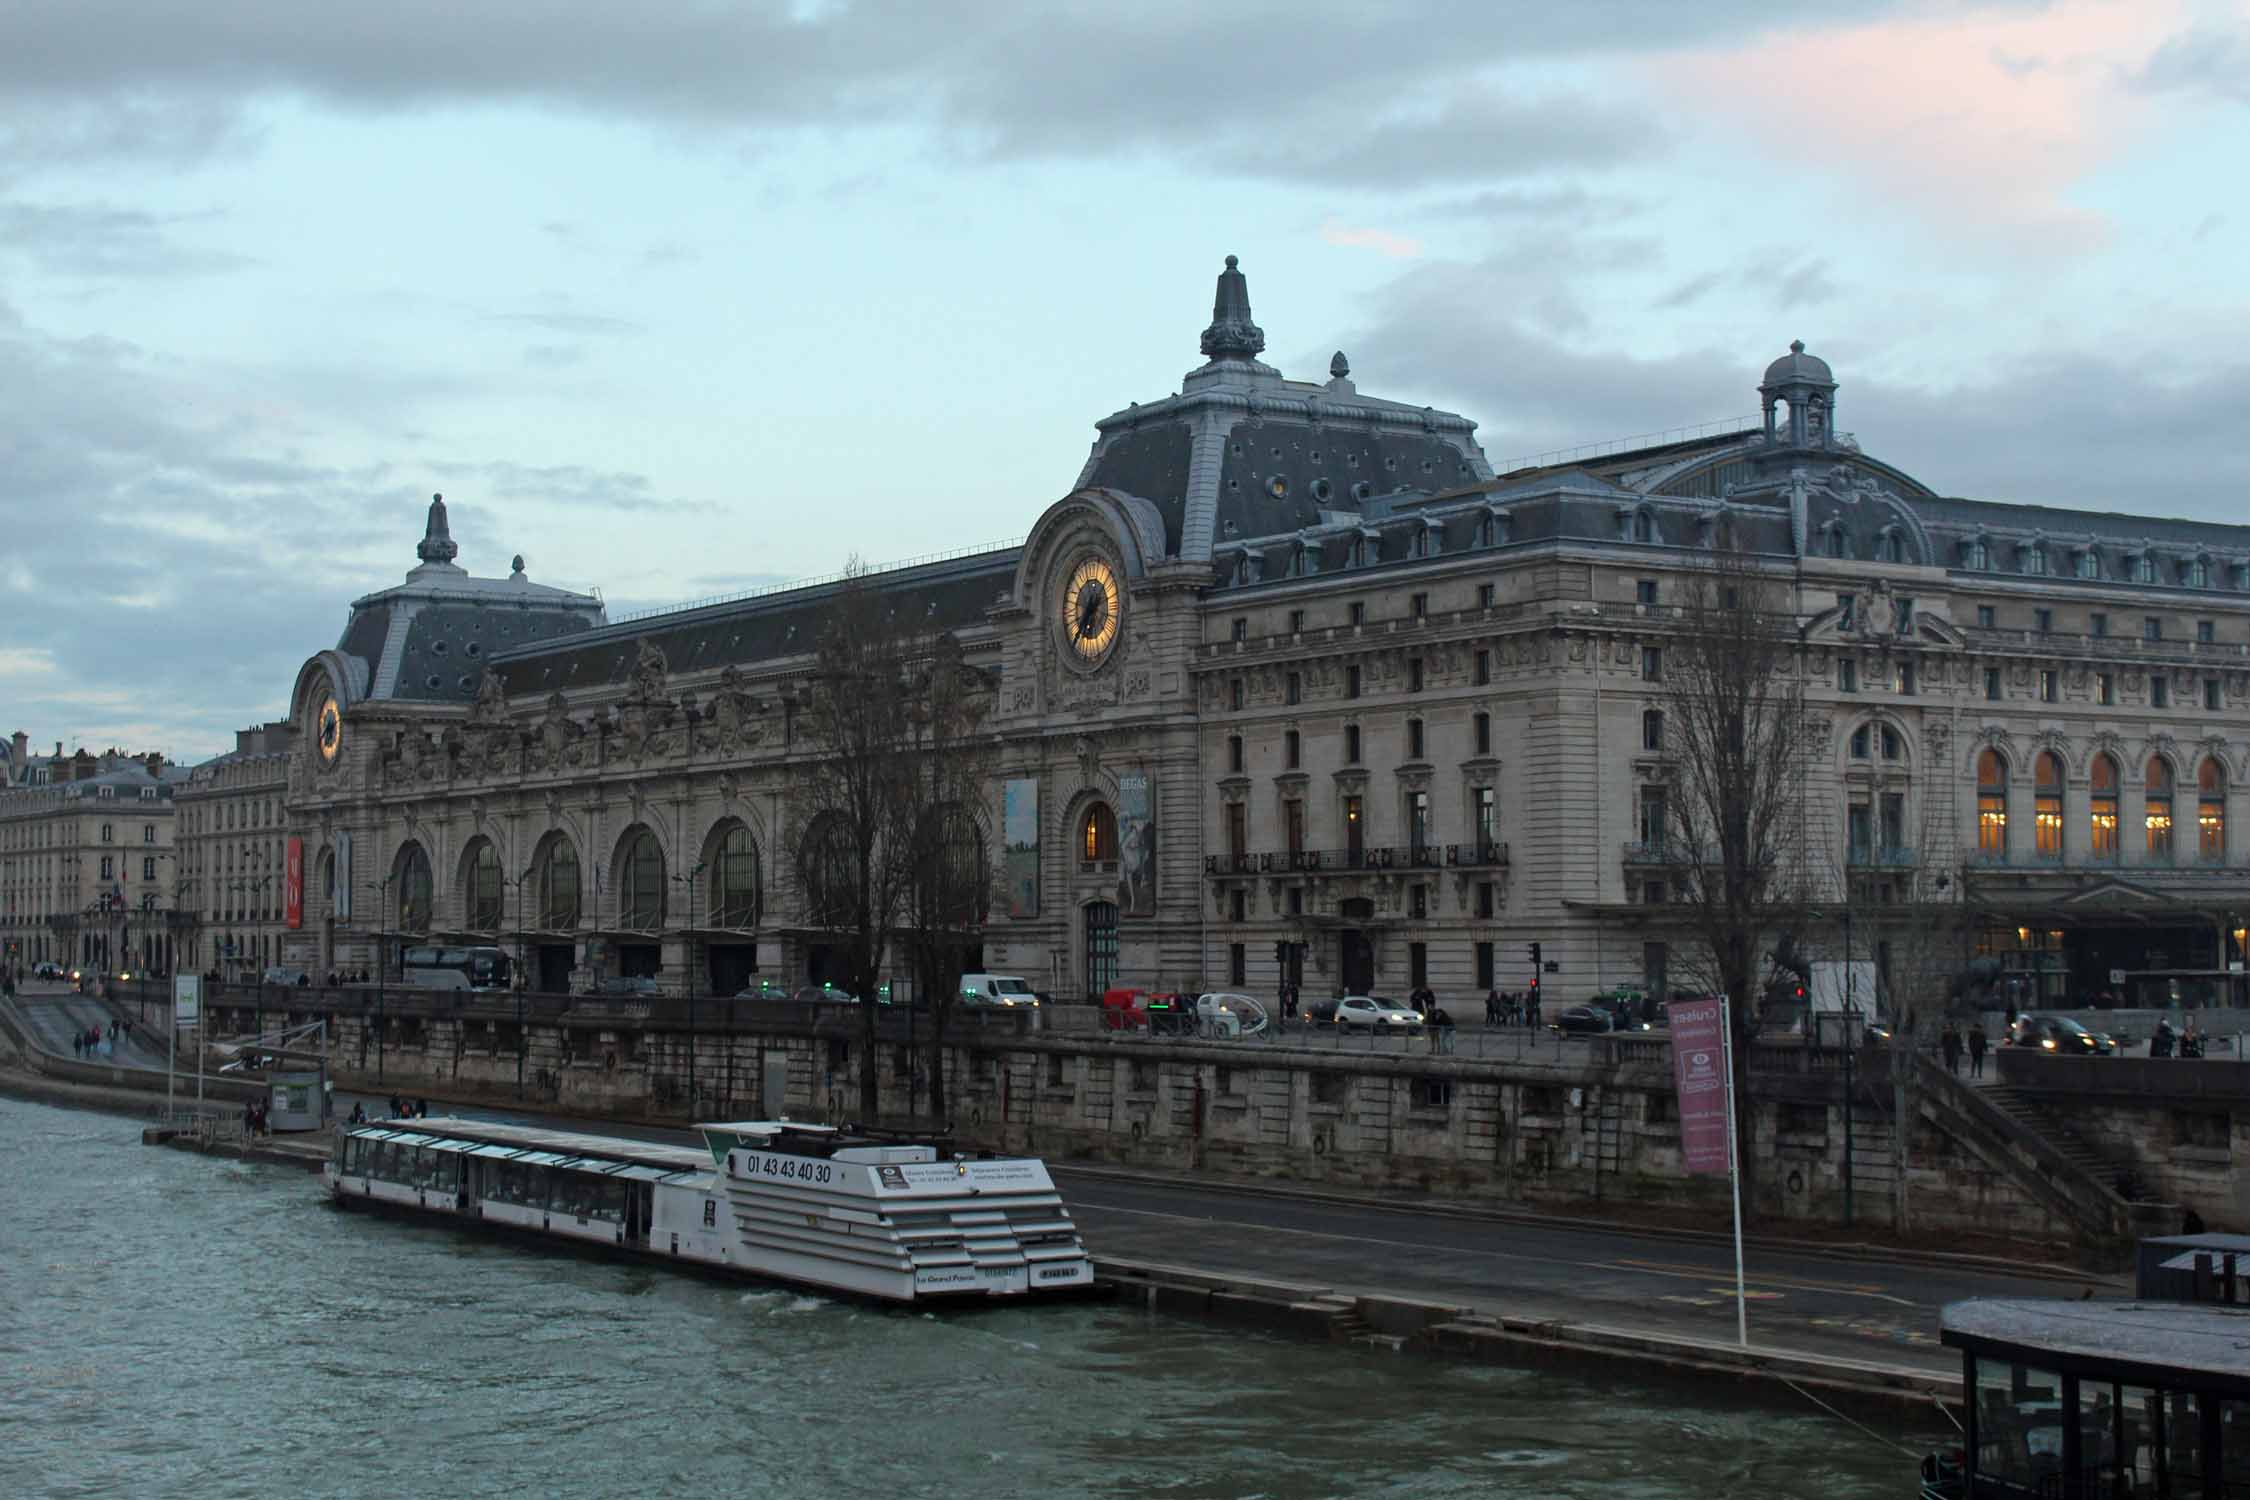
pixel 88 1043
pixel 1952 1043
pixel 1511 1008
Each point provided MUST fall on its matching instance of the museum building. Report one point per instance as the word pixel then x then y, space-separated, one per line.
pixel 1292 687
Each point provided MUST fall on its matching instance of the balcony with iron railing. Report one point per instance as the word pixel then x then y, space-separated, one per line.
pixel 1880 857
pixel 1477 854
pixel 2185 861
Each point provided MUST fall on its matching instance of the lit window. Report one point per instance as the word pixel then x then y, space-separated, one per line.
pixel 1098 834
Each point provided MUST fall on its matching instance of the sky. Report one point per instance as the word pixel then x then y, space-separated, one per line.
pixel 690 299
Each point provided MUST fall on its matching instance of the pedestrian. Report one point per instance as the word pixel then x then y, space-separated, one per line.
pixel 398 1109
pixel 421 1109
pixel 2160 1045
pixel 1978 1043
pixel 1492 1007
pixel 78 1043
pixel 1949 1042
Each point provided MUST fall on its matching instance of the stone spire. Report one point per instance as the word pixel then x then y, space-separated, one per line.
pixel 1232 335
pixel 437 543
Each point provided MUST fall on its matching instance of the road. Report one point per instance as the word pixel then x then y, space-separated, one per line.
pixel 1511 1264
pixel 54 1015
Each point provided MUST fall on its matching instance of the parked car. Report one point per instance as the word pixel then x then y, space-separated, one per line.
pixel 1318 1012
pixel 1002 991
pixel 1373 1013
pixel 1587 1020
pixel 2059 1035
pixel 627 986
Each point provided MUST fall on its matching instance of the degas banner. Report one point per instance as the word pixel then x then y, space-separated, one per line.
pixel 293 885
pixel 1019 831
pixel 1136 852
pixel 1699 1072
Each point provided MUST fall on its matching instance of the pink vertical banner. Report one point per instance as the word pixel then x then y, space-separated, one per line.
pixel 1699 1073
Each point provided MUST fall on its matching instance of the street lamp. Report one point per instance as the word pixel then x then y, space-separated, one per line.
pixel 382 960
pixel 523 968
pixel 692 879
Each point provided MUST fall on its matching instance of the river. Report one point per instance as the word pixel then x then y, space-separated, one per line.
pixel 172 1325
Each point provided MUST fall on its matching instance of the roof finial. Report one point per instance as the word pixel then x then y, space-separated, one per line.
pixel 1232 335
pixel 437 543
pixel 1796 346
pixel 1339 367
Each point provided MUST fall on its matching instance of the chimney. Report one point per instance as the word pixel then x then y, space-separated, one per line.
pixel 243 739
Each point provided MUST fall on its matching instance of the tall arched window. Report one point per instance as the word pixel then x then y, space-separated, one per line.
pixel 640 883
pixel 734 880
pixel 2211 812
pixel 414 890
pixel 2158 787
pixel 1992 804
pixel 558 886
pixel 952 882
pixel 1098 834
pixel 825 864
pixel 2104 808
pixel 2047 806
pixel 484 888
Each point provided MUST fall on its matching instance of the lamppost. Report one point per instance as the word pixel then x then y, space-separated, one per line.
pixel 523 968
pixel 1851 1037
pixel 382 961
pixel 692 879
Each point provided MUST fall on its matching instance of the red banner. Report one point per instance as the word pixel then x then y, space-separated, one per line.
pixel 1699 1073
pixel 293 886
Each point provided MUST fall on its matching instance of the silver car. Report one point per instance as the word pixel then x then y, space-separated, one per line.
pixel 1372 1013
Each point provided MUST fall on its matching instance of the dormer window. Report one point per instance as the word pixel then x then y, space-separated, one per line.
pixel 2089 563
pixel 1838 544
pixel 2196 573
pixel 1640 526
pixel 1976 555
pixel 1889 547
pixel 2143 568
pixel 2034 559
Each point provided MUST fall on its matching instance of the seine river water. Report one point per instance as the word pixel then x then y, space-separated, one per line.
pixel 172 1325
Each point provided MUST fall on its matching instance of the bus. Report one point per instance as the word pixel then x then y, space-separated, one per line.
pixel 457 969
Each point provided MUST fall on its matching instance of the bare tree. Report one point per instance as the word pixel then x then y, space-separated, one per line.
pixel 950 881
pixel 854 723
pixel 1735 735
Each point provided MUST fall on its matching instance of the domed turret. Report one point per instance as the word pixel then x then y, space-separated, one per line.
pixel 1803 384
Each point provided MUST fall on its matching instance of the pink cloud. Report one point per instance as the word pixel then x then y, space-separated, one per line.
pixel 1335 231
pixel 1978 116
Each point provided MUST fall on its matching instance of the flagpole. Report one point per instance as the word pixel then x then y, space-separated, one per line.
pixel 1734 1179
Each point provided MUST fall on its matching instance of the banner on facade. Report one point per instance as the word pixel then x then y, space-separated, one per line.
pixel 1019 831
pixel 1699 1073
pixel 1136 848
pixel 187 999
pixel 293 885
pixel 342 898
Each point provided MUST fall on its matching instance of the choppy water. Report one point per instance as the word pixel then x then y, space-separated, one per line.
pixel 171 1325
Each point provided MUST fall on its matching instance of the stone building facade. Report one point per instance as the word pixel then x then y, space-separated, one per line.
pixel 1292 687
pixel 232 888
pixel 86 874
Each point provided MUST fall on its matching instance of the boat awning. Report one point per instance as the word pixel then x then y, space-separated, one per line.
pixel 501 1152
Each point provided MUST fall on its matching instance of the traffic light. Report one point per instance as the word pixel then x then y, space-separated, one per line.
pixel 1535 958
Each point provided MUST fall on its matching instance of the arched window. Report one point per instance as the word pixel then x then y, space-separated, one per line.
pixel 484 888
pixel 1992 804
pixel 825 865
pixel 640 883
pixel 952 883
pixel 2157 786
pixel 734 880
pixel 1098 834
pixel 2089 564
pixel 1860 741
pixel 1976 555
pixel 2047 806
pixel 1837 546
pixel 558 886
pixel 2103 779
pixel 414 890
pixel 1643 527
pixel 1889 547
pixel 2211 812
pixel 2034 559
pixel 2196 573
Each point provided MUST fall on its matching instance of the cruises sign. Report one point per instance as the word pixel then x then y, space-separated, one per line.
pixel 1699 1073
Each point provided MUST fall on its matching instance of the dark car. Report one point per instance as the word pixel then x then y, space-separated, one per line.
pixel 1319 1012
pixel 630 986
pixel 1586 1020
pixel 2059 1035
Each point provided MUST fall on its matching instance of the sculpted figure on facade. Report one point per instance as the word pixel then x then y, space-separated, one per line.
pixel 491 705
pixel 650 672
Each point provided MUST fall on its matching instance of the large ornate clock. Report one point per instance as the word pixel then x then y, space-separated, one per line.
pixel 1091 613
pixel 328 730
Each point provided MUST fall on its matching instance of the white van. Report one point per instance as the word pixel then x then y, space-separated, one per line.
pixel 1008 991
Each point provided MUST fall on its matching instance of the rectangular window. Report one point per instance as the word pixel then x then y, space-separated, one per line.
pixel 1355 829
pixel 1644 591
pixel 1296 901
pixel 2047 682
pixel 2105 689
pixel 1487 810
pixel 1296 622
pixel 1487 976
pixel 1414 739
pixel 2211 698
pixel 1359 612
pixel 1652 817
pixel 1238 832
pixel 1420 604
pixel 148 866
pixel 1906 617
pixel 2152 628
pixel 1992 684
pixel 1292 748
pixel 1237 907
pixel 1483 724
pixel 1351 682
pixel 1653 893
pixel 2159 692
pixel 1847 676
pixel 1351 744
pixel 2043 620
pixel 1985 617
pixel 1293 689
pixel 1238 965
pixel 1652 663
pixel 1652 729
pixel 2206 632
pixel 1418 824
pixel 1485 904
pixel 1234 753
pixel 1484 668
pixel 1293 824
pixel 1234 692
pixel 1241 628
pixel 2097 625
pixel 1414 675
pixel 1859 832
pixel 1905 679
pixel 1418 960
pixel 1846 605
pixel 1418 903
pixel 1484 596
pixel 108 868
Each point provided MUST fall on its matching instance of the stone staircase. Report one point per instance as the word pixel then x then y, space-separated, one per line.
pixel 2118 1177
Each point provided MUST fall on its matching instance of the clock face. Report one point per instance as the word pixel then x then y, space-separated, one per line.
pixel 1089 608
pixel 329 729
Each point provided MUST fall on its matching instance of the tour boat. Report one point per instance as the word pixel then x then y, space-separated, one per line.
pixel 820 1207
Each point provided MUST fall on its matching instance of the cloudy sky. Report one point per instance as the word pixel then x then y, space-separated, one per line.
pixel 679 300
